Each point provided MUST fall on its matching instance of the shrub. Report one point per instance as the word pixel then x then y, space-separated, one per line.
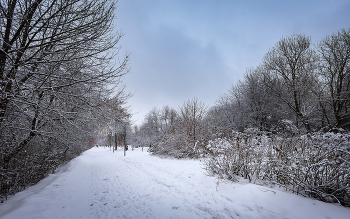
pixel 316 165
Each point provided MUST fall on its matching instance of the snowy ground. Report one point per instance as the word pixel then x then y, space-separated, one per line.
pixel 100 184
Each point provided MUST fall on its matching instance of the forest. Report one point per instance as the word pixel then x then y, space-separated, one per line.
pixel 61 93
pixel 287 123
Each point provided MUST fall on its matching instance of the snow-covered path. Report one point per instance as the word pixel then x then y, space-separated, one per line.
pixel 100 184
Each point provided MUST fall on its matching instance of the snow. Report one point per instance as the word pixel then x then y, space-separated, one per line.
pixel 102 184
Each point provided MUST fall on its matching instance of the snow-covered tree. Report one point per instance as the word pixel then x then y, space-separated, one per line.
pixel 56 72
pixel 291 68
pixel 335 68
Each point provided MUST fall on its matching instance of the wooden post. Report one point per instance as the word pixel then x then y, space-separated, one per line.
pixel 112 145
pixel 124 140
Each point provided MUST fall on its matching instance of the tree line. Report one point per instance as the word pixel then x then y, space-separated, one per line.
pixel 305 84
pixel 297 85
pixel 59 84
pixel 286 122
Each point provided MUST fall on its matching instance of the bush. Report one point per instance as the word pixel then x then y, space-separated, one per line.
pixel 177 145
pixel 35 163
pixel 316 165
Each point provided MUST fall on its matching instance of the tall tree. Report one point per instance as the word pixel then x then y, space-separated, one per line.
pixel 192 113
pixel 335 53
pixel 291 67
pixel 56 71
pixel 53 54
pixel 261 108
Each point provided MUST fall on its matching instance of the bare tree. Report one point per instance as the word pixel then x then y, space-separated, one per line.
pixel 192 113
pixel 261 108
pixel 39 36
pixel 335 53
pixel 291 67
pixel 56 71
pixel 224 115
pixel 57 51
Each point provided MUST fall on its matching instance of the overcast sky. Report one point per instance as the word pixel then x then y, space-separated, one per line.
pixel 182 49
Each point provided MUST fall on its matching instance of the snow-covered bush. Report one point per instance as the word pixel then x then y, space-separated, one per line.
pixel 286 127
pixel 34 164
pixel 239 156
pixel 316 165
pixel 177 145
